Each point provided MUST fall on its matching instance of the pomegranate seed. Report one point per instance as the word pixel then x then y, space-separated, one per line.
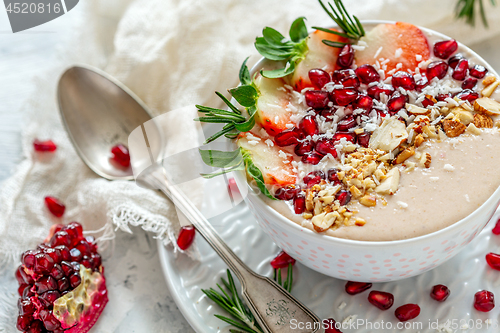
pixel 62 253
pixel 328 114
pixel 396 102
pixel 367 74
pixel 282 260
pixel 346 56
pixel 493 260
pixel 496 229
pixel 60 238
pixel 332 176
pixel 364 139
pixel 57 272
pixel 442 97
pixel 440 292
pixel 346 123
pixel 44 146
pixel 339 75
pixel 330 326
pixel 445 48
pixel 484 301
pixel 312 158
pixel 454 60
pixel 49 321
pixel 308 125
pixel 28 259
pixel 48 298
pixel 437 69
pixel 36 327
pixel 55 206
pixel 343 197
pixel 380 299
pixel 461 70
pixel 376 91
pixel 319 77
pixel 286 193
pixel 43 263
pixel 20 275
pixel 469 83
pixel 25 306
pixel 186 237
pixel 404 80
pixel 407 312
pixel 288 137
pixel 363 102
pixel 354 288
pixel 427 102
pixel 75 254
pixel 478 71
pixel 316 99
pixel 121 155
pixel 299 203
pixel 67 268
pixel 24 322
pixel 346 135
pixel 325 147
pixel 74 230
pixel 313 178
pixel 344 96
pixel 27 293
pixel 63 284
pixel 45 283
pixel 84 247
pixel 75 280
pixel 304 147
pixel 96 258
pixel 350 82
pixel 87 262
pixel 422 82
pixel 468 95
pixel 22 288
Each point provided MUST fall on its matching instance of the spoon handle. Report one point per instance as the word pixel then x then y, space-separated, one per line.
pixel 274 308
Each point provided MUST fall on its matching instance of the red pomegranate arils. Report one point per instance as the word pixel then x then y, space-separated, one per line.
pixel 282 260
pixel 304 147
pixel 453 61
pixel 121 155
pixel 363 139
pixel 299 203
pixel 363 102
pixel 478 71
pixel 484 301
pixel 316 99
pixel 346 123
pixel 288 137
pixel 468 95
pixel 445 49
pixel 422 82
pixel 55 206
pixel 350 82
pixel 319 77
pixel 339 75
pixel 404 80
pixel 308 125
pixel 332 176
pixel 325 146
pixel 44 146
pixel 469 83
pixel 496 229
pixel 437 69
pixel 186 237
pixel 493 260
pixel 427 102
pixel 440 292
pixel 346 56
pixel 396 102
pixel 343 197
pixel 346 135
pixel 313 178
pixel 286 193
pixel 331 326
pixel 376 91
pixel 344 97
pixel 354 288
pixel 461 70
pixel 367 74
pixel 312 158
pixel 407 312
pixel 380 299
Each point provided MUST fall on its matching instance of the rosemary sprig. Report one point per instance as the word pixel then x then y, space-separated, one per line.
pixel 466 9
pixel 230 301
pixel 352 27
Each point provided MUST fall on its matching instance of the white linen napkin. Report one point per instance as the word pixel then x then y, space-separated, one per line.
pixel 171 54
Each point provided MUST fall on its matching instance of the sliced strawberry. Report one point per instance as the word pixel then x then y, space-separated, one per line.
pixel 271 105
pixel 319 55
pixel 269 160
pixel 389 38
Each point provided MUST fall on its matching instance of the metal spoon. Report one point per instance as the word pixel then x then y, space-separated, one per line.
pixel 98 112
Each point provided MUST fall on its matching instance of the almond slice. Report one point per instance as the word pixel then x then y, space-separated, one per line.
pixel 368 200
pixel 489 80
pixel 416 110
pixel 487 106
pixel 490 89
pixel 463 115
pixel 390 184
pixel 389 135
pixel 404 155
pixel 482 121
pixel 324 221
pixel 453 128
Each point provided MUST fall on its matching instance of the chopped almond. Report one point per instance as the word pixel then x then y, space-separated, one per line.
pixel 368 200
pixel 490 89
pixel 482 121
pixel 390 184
pixel 489 80
pixel 453 128
pixel 419 139
pixel 488 106
pixel 404 155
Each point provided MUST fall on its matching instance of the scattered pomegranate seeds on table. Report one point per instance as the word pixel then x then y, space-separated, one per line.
pixel 496 229
pixel 354 288
pixel 44 146
pixel 186 237
pixel 484 301
pixel 381 300
pixel 440 292
pixel 55 206
pixel 493 260
pixel 407 312
pixel 282 260
pixel 330 326
pixel 121 155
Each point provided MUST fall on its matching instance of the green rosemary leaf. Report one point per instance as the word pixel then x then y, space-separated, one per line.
pixel 333 44
pixel 351 26
pixel 217 135
pixel 289 278
pixel 246 95
pixel 331 32
pixel 483 14
pixel 244 74
pixel 298 30
pixel 236 324
pixel 228 103
pixel 279 277
pixel 254 172
pixel 215 120
pixel 221 159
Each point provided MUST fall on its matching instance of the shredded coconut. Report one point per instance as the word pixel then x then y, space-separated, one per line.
pixel 449 167
pixel 378 52
pixel 398 53
pixel 269 142
pixel 402 204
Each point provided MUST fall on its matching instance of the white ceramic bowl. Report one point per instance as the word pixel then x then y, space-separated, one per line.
pixel 363 260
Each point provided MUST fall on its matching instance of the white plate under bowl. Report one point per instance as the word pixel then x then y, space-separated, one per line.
pixel 465 274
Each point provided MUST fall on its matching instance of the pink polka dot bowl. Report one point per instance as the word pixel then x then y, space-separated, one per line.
pixel 365 260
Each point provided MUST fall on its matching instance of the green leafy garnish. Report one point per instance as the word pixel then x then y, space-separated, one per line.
pixel 274 46
pixel 239 159
pixel 466 9
pixel 352 27
pixel 230 301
